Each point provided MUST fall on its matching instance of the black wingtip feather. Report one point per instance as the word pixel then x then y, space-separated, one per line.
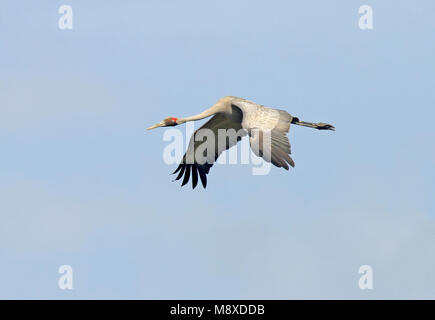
pixel 178 169
pixel 182 167
pixel 193 170
pixel 186 175
pixel 203 176
pixel 194 176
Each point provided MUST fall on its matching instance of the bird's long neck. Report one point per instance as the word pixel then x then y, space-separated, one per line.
pixel 207 113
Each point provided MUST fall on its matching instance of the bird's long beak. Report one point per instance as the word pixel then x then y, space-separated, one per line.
pixel 160 124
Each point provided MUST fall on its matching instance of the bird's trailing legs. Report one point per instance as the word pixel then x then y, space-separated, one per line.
pixel 319 125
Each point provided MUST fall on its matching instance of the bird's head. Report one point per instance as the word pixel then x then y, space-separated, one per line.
pixel 167 122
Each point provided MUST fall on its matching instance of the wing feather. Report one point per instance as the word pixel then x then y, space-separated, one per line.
pixel 218 121
pixel 186 175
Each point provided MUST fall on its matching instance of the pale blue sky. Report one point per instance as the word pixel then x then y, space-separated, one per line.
pixel 82 183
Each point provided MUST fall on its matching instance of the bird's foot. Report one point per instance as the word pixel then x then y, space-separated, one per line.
pixel 325 126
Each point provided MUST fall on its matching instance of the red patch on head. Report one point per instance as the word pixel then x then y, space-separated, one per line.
pixel 174 119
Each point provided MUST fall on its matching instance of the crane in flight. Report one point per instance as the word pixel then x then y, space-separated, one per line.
pixel 246 118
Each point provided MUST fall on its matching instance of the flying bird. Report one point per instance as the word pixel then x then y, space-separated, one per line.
pixel 246 118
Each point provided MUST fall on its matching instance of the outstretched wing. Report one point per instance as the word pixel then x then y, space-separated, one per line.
pixel 273 146
pixel 191 165
pixel 268 130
